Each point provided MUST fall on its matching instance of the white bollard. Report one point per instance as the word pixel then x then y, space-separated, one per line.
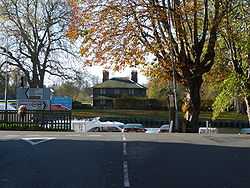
pixel 207 131
pixel 171 126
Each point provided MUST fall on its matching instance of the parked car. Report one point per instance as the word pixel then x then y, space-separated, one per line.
pixel 58 107
pixel 134 127
pixel 164 128
pixel 106 128
pixel 153 130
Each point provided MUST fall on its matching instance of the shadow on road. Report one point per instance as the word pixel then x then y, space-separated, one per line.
pixel 98 164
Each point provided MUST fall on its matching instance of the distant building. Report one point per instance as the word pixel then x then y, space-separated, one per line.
pixel 110 89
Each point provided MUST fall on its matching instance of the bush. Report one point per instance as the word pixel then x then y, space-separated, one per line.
pixel 206 105
pixel 79 106
pixel 139 104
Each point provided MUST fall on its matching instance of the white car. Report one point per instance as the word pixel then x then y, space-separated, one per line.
pixel 9 107
pixel 106 128
pixel 134 127
pixel 164 128
pixel 86 125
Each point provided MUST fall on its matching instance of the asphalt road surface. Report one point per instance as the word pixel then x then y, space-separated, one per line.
pixel 116 160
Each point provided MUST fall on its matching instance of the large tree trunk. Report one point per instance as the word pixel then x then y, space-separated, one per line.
pixel 194 88
pixel 35 83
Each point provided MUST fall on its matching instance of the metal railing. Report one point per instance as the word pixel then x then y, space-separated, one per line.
pixel 36 120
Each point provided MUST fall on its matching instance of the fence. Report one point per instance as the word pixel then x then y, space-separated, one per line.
pixel 226 124
pixel 36 120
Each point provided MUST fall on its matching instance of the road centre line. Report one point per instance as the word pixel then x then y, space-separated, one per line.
pixel 124 137
pixel 125 173
pixel 125 148
pixel 125 163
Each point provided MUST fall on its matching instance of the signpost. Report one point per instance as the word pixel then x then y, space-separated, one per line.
pixel 34 104
pixel 34 98
pixel 65 101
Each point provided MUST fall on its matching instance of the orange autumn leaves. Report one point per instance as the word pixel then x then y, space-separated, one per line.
pixel 122 33
pixel 106 36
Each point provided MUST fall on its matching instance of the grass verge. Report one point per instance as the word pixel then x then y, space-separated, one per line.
pixel 148 114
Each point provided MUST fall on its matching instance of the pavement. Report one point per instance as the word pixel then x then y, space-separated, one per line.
pixel 111 160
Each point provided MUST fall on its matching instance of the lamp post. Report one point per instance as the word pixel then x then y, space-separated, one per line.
pixel 6 88
pixel 6 77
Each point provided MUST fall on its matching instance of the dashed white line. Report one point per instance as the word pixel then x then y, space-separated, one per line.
pixel 125 163
pixel 125 172
pixel 125 148
pixel 123 137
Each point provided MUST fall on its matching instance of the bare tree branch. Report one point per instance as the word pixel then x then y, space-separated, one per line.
pixel 37 31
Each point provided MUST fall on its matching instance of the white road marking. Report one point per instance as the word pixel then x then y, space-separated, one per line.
pixel 125 163
pixel 125 148
pixel 42 139
pixel 125 173
pixel 124 137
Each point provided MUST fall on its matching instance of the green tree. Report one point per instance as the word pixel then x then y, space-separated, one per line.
pixel 12 84
pixel 157 89
pixel 67 89
pixel 235 52
pixel 79 88
pixel 70 89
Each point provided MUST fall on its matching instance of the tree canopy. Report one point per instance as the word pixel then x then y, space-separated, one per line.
pixel 177 34
pixel 234 51
pixel 33 37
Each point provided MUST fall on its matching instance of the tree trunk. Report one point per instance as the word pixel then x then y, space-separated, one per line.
pixel 194 88
pixel 247 101
pixel 41 81
pixel 35 83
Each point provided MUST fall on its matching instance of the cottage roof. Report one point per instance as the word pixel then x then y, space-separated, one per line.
pixel 120 82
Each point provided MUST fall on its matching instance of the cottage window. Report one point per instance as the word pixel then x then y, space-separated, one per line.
pixel 117 91
pixel 131 91
pixel 102 91
pixel 102 102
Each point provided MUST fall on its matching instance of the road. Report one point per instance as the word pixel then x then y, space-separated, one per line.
pixel 115 160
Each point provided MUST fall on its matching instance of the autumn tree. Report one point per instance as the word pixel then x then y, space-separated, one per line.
pixel 33 38
pixel 234 51
pixel 178 34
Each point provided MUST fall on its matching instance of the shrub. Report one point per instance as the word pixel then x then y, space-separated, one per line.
pixel 79 106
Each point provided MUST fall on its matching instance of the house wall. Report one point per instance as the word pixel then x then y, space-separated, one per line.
pixel 102 103
pixel 118 92
pixel 114 93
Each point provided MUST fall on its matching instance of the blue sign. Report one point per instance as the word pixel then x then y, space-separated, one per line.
pixel 62 101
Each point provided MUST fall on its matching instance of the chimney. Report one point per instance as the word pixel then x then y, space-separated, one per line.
pixel 134 76
pixel 105 75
